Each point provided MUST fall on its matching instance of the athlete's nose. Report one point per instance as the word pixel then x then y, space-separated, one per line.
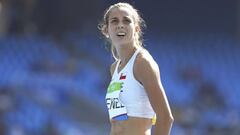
pixel 120 26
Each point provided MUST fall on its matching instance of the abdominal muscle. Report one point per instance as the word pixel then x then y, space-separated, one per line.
pixel 132 126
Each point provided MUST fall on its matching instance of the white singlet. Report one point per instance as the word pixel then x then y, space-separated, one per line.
pixel 126 96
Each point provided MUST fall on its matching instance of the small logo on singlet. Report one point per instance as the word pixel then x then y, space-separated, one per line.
pixel 115 86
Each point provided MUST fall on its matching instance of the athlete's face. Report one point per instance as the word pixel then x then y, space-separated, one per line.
pixel 121 26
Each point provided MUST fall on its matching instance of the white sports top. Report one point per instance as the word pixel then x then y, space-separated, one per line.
pixel 130 96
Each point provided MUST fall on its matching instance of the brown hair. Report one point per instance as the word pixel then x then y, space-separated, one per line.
pixel 137 18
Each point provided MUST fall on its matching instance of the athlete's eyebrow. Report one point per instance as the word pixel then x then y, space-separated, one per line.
pixel 113 18
pixel 127 17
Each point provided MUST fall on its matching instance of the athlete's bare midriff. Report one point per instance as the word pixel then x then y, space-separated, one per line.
pixel 132 126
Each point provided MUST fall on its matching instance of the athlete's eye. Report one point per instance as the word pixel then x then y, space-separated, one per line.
pixel 127 20
pixel 114 21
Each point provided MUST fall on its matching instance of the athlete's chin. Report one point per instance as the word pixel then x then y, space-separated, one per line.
pixel 122 43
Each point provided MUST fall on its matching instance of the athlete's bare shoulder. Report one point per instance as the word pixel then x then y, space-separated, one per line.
pixel 145 66
pixel 144 57
pixel 113 66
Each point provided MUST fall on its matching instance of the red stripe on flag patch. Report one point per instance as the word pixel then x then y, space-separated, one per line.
pixel 122 77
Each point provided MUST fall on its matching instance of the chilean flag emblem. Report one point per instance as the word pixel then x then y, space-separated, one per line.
pixel 123 76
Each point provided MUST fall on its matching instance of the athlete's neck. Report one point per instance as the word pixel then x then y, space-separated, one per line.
pixel 126 53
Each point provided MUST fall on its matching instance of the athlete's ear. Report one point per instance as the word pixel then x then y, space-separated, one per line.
pixel 137 28
pixel 105 31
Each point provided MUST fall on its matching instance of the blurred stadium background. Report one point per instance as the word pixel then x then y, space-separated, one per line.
pixel 54 65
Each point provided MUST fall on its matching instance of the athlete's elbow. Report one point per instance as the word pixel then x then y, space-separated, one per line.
pixel 168 118
pixel 171 119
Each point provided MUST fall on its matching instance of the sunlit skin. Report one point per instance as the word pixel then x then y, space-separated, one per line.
pixel 122 22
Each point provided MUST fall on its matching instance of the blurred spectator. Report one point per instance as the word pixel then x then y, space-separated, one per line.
pixel 6 105
pixel 4 19
pixel 2 126
pixel 51 129
pixel 20 16
pixel 208 96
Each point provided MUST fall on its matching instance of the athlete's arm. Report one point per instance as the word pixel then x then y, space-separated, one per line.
pixel 146 71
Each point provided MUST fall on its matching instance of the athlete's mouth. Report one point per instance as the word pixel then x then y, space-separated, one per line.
pixel 121 34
